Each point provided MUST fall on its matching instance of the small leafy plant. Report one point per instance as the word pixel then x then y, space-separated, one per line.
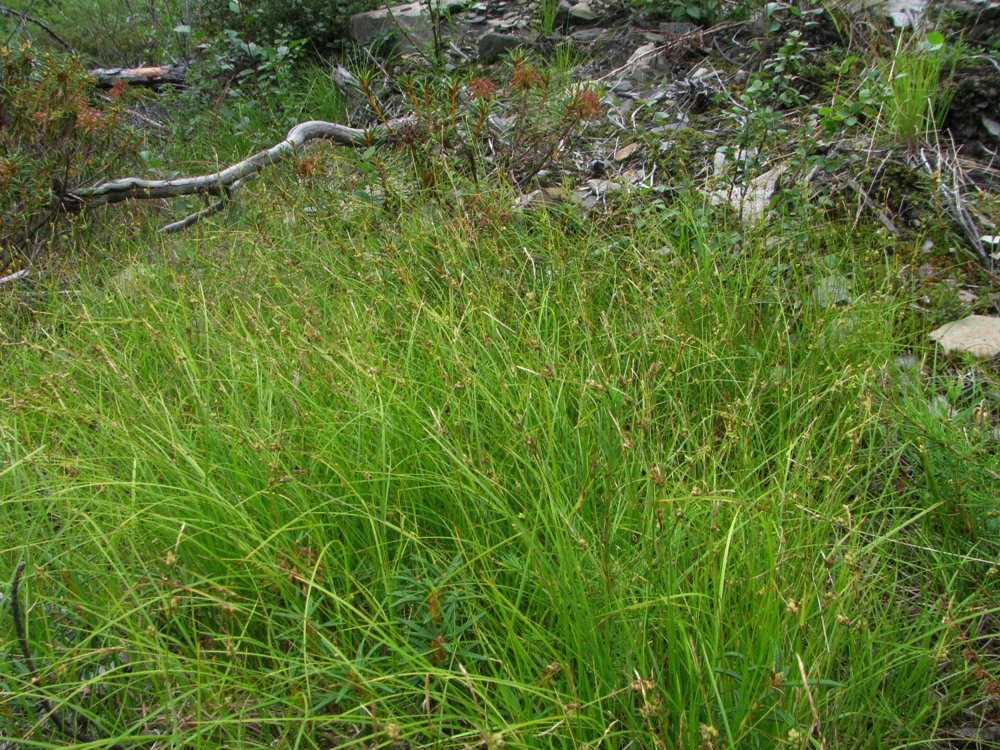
pixel 53 137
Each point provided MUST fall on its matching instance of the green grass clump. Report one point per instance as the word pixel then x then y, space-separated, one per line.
pixel 466 480
pixel 919 87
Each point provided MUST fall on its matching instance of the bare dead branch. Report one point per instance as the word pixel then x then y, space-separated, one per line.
pixel 24 17
pixel 883 219
pixel 136 188
pixel 16 276
pixel 221 183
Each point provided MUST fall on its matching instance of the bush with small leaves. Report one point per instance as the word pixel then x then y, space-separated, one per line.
pixel 54 136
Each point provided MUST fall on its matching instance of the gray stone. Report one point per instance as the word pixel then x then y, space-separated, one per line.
pixel 493 44
pixel 588 35
pixel 678 29
pixel 831 291
pixel 582 12
pixel 980 18
pixel 979 335
pixel 412 20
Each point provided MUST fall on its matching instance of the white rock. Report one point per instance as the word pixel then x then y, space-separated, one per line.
pixel 583 11
pixel 751 201
pixel 979 335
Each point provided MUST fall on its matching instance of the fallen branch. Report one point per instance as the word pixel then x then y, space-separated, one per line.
pixel 221 183
pixel 883 219
pixel 16 276
pixel 150 77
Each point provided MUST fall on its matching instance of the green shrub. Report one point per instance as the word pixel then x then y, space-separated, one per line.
pixel 322 24
pixel 53 137
pixel 702 12
pixel 103 32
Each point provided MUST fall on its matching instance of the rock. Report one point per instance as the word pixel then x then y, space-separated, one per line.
pixel 597 168
pixel 644 61
pixel 650 97
pixel 582 13
pixel 678 29
pixel 588 35
pixel 903 13
pixel 625 151
pixel 980 18
pixel 601 188
pixel 412 20
pixel 979 335
pixel 832 290
pixel 493 44
pixel 549 196
pixel 752 200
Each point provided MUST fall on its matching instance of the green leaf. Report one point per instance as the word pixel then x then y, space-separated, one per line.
pixel 935 38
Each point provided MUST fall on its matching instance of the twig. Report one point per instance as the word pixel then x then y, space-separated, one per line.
pixel 886 221
pixel 16 276
pixel 10 12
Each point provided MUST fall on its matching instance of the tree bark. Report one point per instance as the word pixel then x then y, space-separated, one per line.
pixel 152 77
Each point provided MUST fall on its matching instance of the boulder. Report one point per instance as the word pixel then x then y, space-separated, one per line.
pixel 494 44
pixel 412 21
pixel 979 335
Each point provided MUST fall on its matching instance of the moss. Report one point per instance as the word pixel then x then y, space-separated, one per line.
pixel 689 150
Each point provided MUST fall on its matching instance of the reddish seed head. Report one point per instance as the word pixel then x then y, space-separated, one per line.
pixel 525 78
pixel 585 104
pixel 482 88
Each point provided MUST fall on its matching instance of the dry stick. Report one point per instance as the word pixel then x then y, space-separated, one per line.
pixel 16 276
pixel 885 220
pixel 10 12
pixel 33 679
pixel 216 183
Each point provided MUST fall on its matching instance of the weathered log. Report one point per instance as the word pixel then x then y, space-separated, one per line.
pixel 152 77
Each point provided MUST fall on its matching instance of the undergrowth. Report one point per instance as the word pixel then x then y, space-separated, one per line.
pixel 461 478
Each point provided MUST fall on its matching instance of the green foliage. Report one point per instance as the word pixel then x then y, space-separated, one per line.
pixel 450 480
pixel 919 82
pixel 108 32
pixel 321 24
pixel 846 112
pixel 909 93
pixel 53 137
pixel 702 12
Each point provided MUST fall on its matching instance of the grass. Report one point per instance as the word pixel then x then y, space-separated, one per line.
pixel 919 91
pixel 468 480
